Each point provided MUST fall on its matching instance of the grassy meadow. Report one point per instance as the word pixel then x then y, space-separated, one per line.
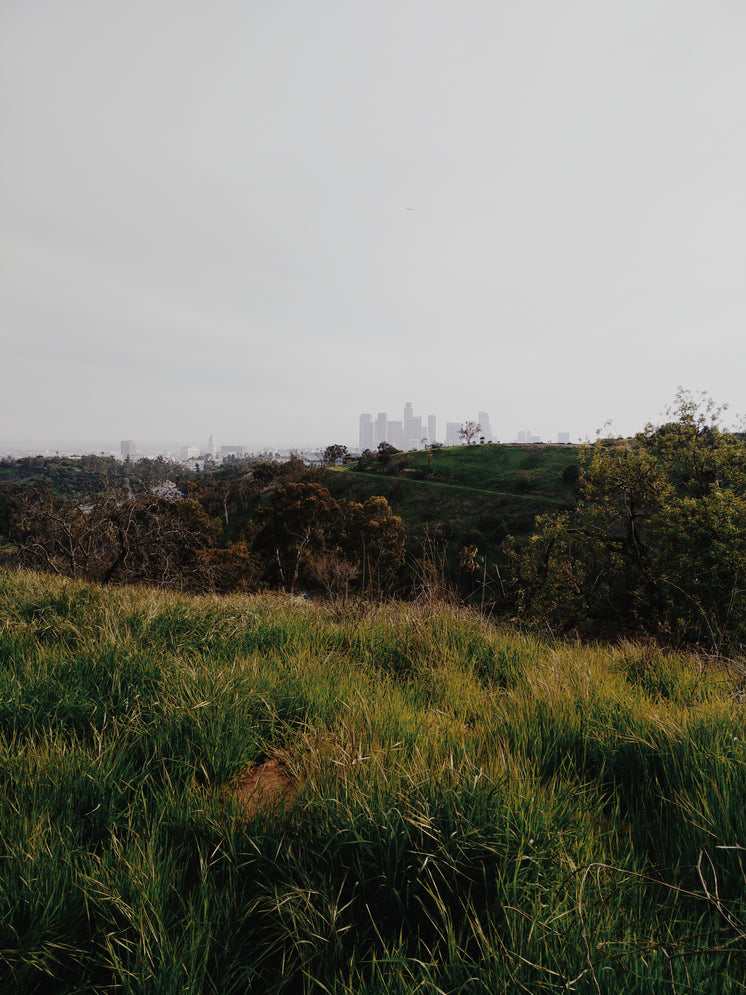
pixel 453 807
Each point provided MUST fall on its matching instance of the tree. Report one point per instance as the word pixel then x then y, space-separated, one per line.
pixel 469 431
pixel 333 454
pixel 385 452
pixel 373 539
pixel 144 539
pixel 657 543
pixel 53 533
pixel 301 523
pixel 160 542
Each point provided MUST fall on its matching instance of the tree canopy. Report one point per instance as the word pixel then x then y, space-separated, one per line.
pixel 657 543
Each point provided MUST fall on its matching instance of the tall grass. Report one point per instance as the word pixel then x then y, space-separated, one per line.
pixel 476 811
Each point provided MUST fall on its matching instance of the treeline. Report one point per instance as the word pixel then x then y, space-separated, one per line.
pixel 655 544
pixel 89 475
pixel 275 525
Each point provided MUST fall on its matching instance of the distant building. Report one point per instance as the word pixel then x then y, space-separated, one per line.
pixel 412 428
pixel 526 438
pixel 452 436
pixel 431 429
pixel 396 435
pixel 382 422
pixel 484 421
pixel 367 432
pixel 188 452
pixel 211 449
pixel 563 438
pixel 233 451
pixel 128 449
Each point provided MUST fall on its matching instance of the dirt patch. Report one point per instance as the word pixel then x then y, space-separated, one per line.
pixel 272 787
pixel 269 786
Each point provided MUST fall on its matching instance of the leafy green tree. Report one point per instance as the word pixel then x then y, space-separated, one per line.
pixel 301 523
pixel 373 539
pixel 333 454
pixel 657 543
pixel 304 536
pixel 386 452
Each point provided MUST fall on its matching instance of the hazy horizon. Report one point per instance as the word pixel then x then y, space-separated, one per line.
pixel 259 220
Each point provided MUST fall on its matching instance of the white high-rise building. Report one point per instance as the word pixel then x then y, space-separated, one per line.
pixel 128 449
pixel 431 429
pixel 211 449
pixel 396 435
pixel 413 432
pixel 382 422
pixel 367 432
pixel 484 421
pixel 452 436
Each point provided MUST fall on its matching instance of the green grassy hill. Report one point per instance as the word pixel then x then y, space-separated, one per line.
pixel 223 795
pixel 468 495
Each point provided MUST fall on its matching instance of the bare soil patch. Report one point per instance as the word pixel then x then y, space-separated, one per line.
pixel 269 786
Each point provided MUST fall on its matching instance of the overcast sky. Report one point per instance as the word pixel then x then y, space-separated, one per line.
pixel 258 218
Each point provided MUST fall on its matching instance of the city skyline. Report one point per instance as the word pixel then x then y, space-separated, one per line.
pixel 412 431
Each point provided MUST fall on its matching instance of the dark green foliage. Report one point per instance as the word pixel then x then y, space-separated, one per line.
pixel 657 542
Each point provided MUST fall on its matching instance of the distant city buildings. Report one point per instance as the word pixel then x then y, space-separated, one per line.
pixel 408 433
pixel 411 431
pixel 414 431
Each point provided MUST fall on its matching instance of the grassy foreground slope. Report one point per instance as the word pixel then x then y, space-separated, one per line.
pixel 455 808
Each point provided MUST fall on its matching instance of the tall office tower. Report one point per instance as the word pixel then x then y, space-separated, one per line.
pixel 484 421
pixel 211 446
pixel 367 434
pixel 563 438
pixel 413 432
pixel 431 429
pixel 128 449
pixel 452 436
pixel 382 422
pixel 412 428
pixel 396 435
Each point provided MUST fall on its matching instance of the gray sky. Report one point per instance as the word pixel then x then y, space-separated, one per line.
pixel 259 219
